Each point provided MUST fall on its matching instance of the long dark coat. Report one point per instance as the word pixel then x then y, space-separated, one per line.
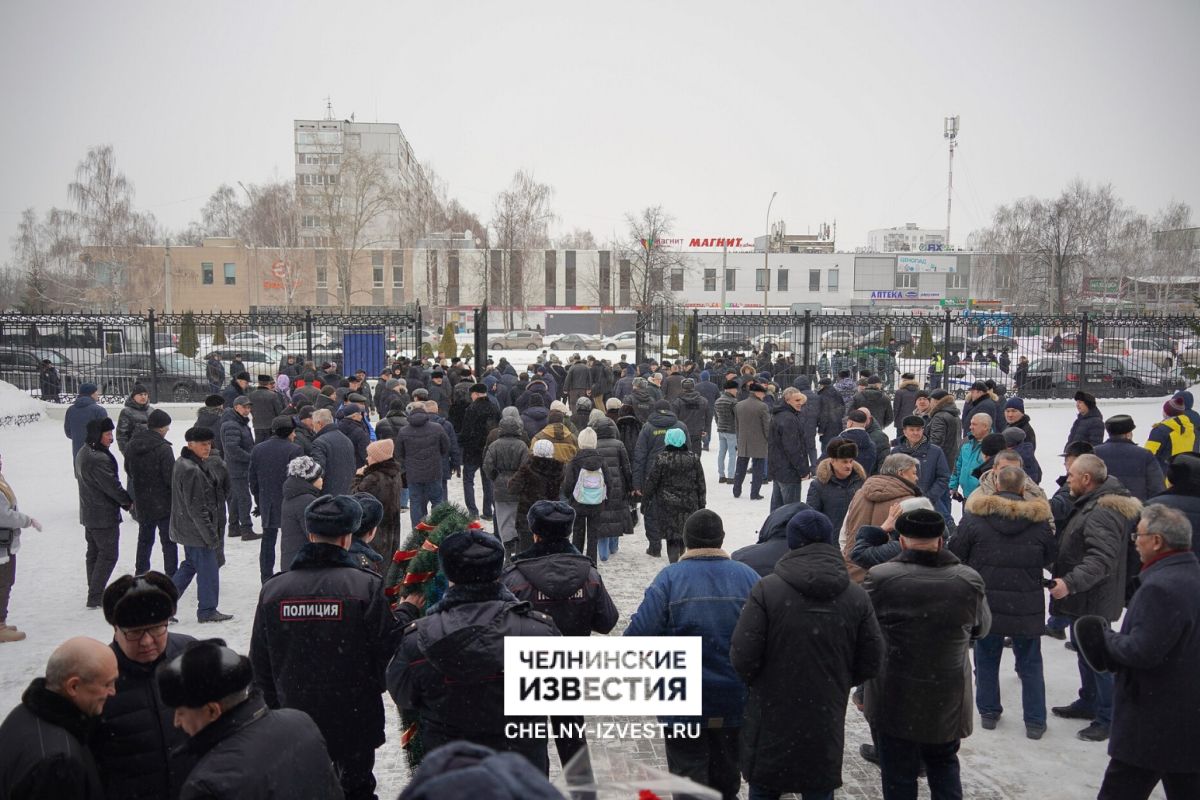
pixel 616 516
pixel 268 470
pixel 1087 427
pixel 382 480
pixel 1134 466
pixel 805 636
pixel 149 460
pixel 479 417
pixel 297 494
pixel 675 488
pixel 537 479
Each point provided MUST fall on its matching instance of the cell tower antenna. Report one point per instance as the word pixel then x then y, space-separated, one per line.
pixel 328 107
pixel 950 133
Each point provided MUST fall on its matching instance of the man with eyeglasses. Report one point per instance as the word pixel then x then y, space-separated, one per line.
pixel 136 734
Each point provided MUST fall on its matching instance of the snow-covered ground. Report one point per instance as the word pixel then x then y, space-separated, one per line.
pixel 48 603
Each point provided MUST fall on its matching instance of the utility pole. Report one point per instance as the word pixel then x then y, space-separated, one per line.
pixel 766 269
pixel 167 305
pixel 950 133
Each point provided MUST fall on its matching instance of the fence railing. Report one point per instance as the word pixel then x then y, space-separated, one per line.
pixel 1034 355
pixel 184 357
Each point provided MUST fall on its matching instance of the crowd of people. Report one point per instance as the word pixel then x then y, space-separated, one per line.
pixel 870 587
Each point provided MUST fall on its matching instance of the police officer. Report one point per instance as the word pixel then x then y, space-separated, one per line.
pixel 323 634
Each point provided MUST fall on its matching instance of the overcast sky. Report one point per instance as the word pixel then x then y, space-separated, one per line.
pixel 703 107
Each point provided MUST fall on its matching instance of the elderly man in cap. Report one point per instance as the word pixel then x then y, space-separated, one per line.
pixel 702 594
pixel 930 608
pixel 449 667
pixel 101 498
pixel 479 418
pixel 806 635
pixel 241 748
pixel 85 409
pixel 196 521
pixel 268 470
pixel 44 741
pixel 327 610
pixel 1154 657
pixel 753 421
pixel 236 444
pixel 1135 467
pixel 265 405
pixel 979 401
pixel 209 416
pixel 134 742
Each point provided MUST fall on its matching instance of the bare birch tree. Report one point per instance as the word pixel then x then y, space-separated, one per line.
pixel 651 262
pixel 521 217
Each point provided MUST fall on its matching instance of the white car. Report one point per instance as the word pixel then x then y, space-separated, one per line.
pixel 250 339
pixel 625 340
pixel 297 342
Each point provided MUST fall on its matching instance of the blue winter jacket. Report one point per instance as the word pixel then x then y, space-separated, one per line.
pixel 702 595
pixel 82 411
pixel 970 456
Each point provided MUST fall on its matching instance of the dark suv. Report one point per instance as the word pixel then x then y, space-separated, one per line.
pixel 1052 376
pixel 22 367
pixel 180 379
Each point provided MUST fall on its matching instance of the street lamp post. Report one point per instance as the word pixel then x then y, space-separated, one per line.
pixel 766 269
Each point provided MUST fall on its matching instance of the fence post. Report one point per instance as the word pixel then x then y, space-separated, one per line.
pixel 807 368
pixel 153 359
pixel 481 337
pixel 694 337
pixel 946 353
pixel 639 337
pixel 418 335
pixel 1083 343
pixel 308 356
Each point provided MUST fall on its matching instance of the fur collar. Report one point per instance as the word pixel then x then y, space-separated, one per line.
pixel 463 593
pixel 319 555
pixel 943 404
pixel 825 471
pixel 1009 506
pixel 56 709
pixel 927 558
pixel 547 547
pixel 703 552
pixel 1125 505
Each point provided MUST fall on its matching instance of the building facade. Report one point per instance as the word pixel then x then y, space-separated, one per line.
pixel 906 239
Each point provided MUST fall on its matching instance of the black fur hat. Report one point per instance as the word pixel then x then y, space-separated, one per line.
pixel 1088 400
pixel 372 512
pixel 96 428
pixel 920 523
pixel 131 602
pixel 1119 424
pixel 704 528
pixel 1089 638
pixel 992 443
pixel 471 556
pixel 205 672
pixel 551 519
pixel 841 448
pixel 198 433
pixel 333 516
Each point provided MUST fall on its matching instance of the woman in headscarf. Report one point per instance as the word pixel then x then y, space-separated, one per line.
pixel 11 523
pixel 675 487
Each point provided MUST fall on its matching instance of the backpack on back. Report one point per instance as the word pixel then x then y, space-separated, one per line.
pixel 590 489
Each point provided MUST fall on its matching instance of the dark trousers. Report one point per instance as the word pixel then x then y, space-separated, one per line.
pixel 757 468
pixel 261 434
pixel 8 576
pixel 583 532
pixel 356 772
pixel 1124 781
pixel 762 793
pixel 100 560
pixel 266 553
pixel 468 472
pixel 784 493
pixel 569 743
pixel 900 761
pixel 239 502
pixel 200 563
pixel 1095 689
pixel 1028 652
pixel 145 546
pixel 711 759
pixel 421 496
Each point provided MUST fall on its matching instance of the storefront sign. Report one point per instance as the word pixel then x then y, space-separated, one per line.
pixel 947 264
pixel 904 294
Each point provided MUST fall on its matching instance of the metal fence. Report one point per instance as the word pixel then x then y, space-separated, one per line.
pixel 184 357
pixel 1032 355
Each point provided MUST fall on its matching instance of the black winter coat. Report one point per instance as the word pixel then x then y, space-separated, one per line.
pixel 1007 540
pixel 675 489
pixel 772 540
pixel 1156 698
pixel 787 454
pixel 327 611
pixel 101 496
pixel 268 470
pixel 592 460
pixel 1093 551
pixel 651 442
pixel 358 436
pixel 133 742
pixel 694 412
pixel 265 405
pixel 904 402
pixel 563 584
pixel 534 418
pixel 1088 427
pixel 503 457
pixel 831 495
pixel 875 401
pixel 45 754
pixel 1024 424
pixel 805 636
pixel 1134 466
pixel 945 428
pixel 449 668
pixel 832 412
pixel 254 753
pixel 211 418
pixel 628 431
pixel 478 420
pixel 133 417
pixel 383 481
pixel 615 516
pixel 236 443
pixel 421 447
pixel 984 405
pixel 537 479
pixel 297 494
pixel 334 451
pixel 149 459
pixel 1181 499
pixel 198 492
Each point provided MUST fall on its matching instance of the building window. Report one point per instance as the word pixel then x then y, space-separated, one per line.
pixel 731 280
pixel 496 279
pixel 230 274
pixel 376 258
pixel 761 279
pixel 397 258
pixel 452 285
pixel 551 266
pixel 569 278
pixel 831 280
pixel 377 277
pixel 814 280
pixel 956 281
pixel 322 277
pixel 906 280
pixel 710 280
pixel 677 280
pixel 397 277
pixel 206 273
pixel 604 289
pixel 624 274
pixel 310 221
pixel 781 279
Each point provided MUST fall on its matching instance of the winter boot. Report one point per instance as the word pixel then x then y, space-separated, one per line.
pixel 8 633
pixel 248 534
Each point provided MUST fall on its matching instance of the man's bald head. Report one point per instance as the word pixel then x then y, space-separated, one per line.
pixel 84 671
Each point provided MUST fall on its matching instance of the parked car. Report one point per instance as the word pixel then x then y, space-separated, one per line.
pixel 165 342
pixel 250 339
pixel 837 340
pixel 1070 342
pixel 179 378
pixel 22 367
pixel 625 340
pixel 321 340
pixel 1141 377
pixel 727 342
pixel 577 341
pixel 1052 376
pixel 258 362
pixel 516 340
pixel 996 341
pixel 960 377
